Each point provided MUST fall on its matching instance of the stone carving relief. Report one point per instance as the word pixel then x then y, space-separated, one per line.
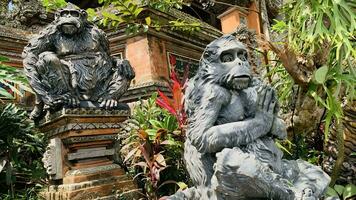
pixel 52 159
pixel 69 65
pixel 230 151
pixel 23 14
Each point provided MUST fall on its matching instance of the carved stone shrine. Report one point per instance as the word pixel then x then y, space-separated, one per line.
pixel 77 85
pixel 230 151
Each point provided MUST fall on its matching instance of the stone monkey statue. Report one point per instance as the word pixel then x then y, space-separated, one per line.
pixel 232 123
pixel 69 63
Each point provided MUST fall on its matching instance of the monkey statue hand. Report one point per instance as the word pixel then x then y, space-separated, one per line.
pixel 265 105
pixel 279 128
pixel 65 99
pixel 125 68
pixel 53 100
pixel 108 103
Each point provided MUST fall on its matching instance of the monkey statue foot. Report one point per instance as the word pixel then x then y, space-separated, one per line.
pixel 37 113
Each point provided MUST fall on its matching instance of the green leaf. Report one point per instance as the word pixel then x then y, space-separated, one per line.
pixel 279 145
pixel 112 16
pixel 330 192
pixel 138 11
pixel 156 124
pixel 349 191
pixel 148 21
pixel 339 189
pixel 320 74
pixel 5 93
pixel 2 59
pixel 182 185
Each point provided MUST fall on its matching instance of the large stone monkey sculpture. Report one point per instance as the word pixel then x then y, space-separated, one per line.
pixel 232 123
pixel 69 62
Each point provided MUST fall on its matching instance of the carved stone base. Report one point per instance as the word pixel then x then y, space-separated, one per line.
pixel 85 137
pixel 103 182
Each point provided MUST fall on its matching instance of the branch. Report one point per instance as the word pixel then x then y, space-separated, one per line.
pixel 300 74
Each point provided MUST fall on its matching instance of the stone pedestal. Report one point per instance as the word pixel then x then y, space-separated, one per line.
pixel 80 155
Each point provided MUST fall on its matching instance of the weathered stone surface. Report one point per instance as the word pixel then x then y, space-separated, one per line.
pixel 90 153
pixel 230 151
pixel 27 15
pixel 87 136
pixel 106 187
pixel 52 159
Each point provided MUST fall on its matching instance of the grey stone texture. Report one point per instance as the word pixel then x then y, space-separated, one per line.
pixel 52 159
pixel 230 151
pixel 69 63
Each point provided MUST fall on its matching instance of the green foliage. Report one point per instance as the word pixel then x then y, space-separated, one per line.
pixel 319 37
pixel 154 151
pixel 21 148
pixel 311 23
pixel 114 13
pixel 9 76
pixel 54 4
pixel 300 149
pixel 320 74
pixel 343 192
pixel 325 30
pixel 283 83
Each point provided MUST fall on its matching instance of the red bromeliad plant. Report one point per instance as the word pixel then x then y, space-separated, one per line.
pixel 152 150
pixel 175 105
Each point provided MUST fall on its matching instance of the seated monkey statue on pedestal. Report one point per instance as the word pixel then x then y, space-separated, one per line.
pixel 69 63
pixel 230 152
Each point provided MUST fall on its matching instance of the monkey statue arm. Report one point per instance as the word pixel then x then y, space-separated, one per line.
pixel 123 73
pixel 122 66
pixel 38 48
pixel 208 137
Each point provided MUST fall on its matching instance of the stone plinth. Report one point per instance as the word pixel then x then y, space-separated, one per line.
pixel 80 155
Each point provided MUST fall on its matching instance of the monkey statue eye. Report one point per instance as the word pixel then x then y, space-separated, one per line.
pixel 64 13
pixel 227 57
pixel 242 55
pixel 74 13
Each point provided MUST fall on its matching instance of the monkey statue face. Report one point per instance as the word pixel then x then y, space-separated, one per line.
pixel 70 20
pixel 227 62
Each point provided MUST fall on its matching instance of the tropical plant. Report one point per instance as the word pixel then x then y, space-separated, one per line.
pixel 153 150
pixel 175 105
pixel 318 52
pixel 343 192
pixel 126 12
pixel 10 77
pixel 21 148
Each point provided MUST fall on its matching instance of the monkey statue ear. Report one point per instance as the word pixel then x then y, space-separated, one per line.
pixel 57 14
pixel 84 14
pixel 211 53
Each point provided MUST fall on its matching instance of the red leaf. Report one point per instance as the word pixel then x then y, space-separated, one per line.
pixel 185 76
pixel 174 76
pixel 172 60
pixel 142 134
pixel 146 155
pixel 164 98
pixel 165 106
pixel 177 96
pixel 165 103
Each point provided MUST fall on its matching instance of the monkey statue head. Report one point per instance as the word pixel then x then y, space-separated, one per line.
pixel 225 62
pixel 70 20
